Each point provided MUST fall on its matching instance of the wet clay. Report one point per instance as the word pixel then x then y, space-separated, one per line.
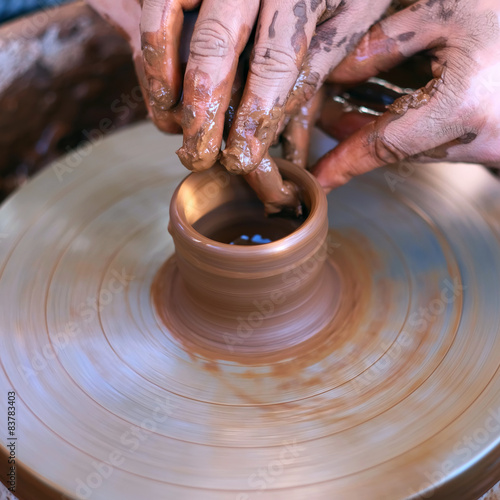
pixel 213 77
pixel 218 278
pixel 260 332
pixel 417 99
pixel 202 124
pixel 201 148
pixel 265 179
pixel 350 263
pixel 251 137
pixel 276 193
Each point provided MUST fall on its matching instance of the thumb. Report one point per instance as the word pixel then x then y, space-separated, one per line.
pixel 414 123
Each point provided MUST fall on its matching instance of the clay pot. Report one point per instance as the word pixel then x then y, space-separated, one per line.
pixel 247 299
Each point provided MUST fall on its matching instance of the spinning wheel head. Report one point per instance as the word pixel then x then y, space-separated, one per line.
pixel 396 396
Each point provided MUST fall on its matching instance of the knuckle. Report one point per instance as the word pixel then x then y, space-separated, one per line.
pixel 269 62
pixel 308 85
pixel 211 39
pixel 389 149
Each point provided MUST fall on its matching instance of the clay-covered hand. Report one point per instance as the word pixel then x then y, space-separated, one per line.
pixel 455 117
pixel 297 43
pixel 153 29
pixel 213 82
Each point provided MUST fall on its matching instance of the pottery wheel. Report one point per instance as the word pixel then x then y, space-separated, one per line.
pixel 401 401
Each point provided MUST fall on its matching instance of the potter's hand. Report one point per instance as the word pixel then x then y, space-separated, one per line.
pixel 297 43
pixel 154 34
pixel 456 117
pixel 156 44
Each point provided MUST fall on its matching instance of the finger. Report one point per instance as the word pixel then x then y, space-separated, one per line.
pixel 236 93
pixel 297 134
pixel 282 38
pixel 334 39
pixel 126 23
pixel 389 42
pixel 220 35
pixel 416 123
pixel 272 190
pixel 161 28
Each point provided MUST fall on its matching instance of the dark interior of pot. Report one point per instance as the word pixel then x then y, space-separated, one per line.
pixel 246 223
pixel 223 208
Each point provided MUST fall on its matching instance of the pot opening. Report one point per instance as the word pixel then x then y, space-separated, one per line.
pixel 244 222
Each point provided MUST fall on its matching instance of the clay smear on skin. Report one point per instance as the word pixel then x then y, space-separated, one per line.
pixel 251 135
pixel 296 136
pixel 465 21
pixel 161 96
pixel 418 98
pixel 441 152
pixel 208 91
pixel 271 31
pixel 203 121
pixel 299 39
pixel 203 133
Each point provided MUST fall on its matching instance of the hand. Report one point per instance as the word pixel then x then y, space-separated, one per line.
pixel 455 117
pixel 154 34
pixel 297 43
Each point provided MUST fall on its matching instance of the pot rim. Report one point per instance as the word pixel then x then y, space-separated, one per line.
pixel 309 230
